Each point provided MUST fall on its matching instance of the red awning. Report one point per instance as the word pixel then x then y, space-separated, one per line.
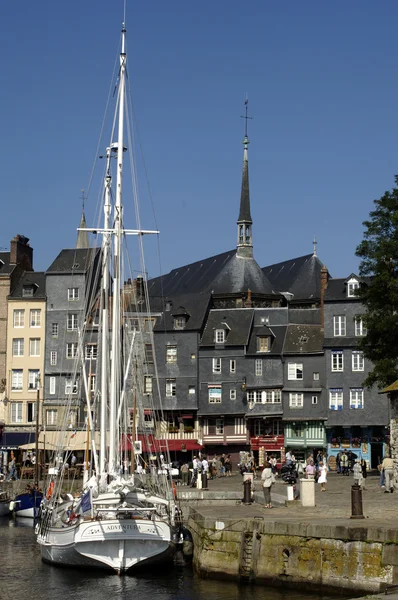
pixel 147 411
pixel 152 445
pixel 187 417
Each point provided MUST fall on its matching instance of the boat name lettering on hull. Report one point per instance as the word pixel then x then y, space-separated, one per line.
pixel 120 528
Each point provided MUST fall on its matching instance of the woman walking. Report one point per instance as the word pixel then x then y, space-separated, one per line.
pixel 268 478
pixel 322 479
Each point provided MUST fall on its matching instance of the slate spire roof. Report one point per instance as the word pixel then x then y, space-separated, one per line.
pixel 245 240
pixel 82 236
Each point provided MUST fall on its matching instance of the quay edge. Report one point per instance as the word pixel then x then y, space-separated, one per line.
pixel 315 553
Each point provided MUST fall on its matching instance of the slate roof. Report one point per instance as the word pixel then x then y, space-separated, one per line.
pixel 278 336
pixel 239 321
pixel 223 273
pixel 300 276
pixel 341 342
pixel 195 308
pixel 75 260
pixel 337 289
pixel 35 278
pixel 244 212
pixel 303 339
pixel 263 410
pixel 6 268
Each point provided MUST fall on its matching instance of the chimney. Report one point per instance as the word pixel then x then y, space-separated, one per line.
pixel 324 285
pixel 21 253
pixel 248 302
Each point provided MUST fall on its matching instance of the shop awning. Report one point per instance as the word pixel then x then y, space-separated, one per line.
pixel 153 445
pixel 11 440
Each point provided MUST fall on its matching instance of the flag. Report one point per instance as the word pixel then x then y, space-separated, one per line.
pixel 73 434
pixel 86 501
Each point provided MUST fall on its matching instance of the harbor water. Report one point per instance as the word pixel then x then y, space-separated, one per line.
pixel 23 574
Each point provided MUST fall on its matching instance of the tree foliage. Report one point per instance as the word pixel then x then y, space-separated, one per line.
pixel 379 289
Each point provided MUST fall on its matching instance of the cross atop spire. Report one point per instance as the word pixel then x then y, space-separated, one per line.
pixel 315 243
pixel 246 118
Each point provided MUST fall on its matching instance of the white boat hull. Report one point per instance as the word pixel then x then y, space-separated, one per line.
pixel 118 544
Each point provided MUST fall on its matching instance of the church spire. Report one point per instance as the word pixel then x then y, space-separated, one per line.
pixel 82 235
pixel 245 244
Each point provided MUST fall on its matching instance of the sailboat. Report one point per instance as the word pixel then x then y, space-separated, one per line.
pixel 120 520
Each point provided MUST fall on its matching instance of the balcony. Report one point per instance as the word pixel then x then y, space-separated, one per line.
pixel 178 433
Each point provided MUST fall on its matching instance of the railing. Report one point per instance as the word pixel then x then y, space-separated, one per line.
pixel 179 435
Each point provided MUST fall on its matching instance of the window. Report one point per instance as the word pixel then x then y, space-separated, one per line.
pixel 258 367
pixel 337 361
pixel 53 358
pixel 358 363
pixel 72 322
pixel 356 398
pixel 216 365
pixel 51 417
pixel 93 383
pixel 295 371
pixel 17 347
pixel 34 347
pixel 171 354
pixel 219 336
pixel 314 399
pixel 148 384
pixel 16 380
pixel 52 385
pixel 214 394
pixel 73 294
pixel 16 412
pixel 31 412
pixel 296 400
pixel 71 350
pixel 71 385
pixel 179 322
pixel 19 318
pixel 336 399
pixel 219 426
pixel 191 390
pixel 339 325
pixel 35 317
pixel 251 396
pixel 149 354
pixel 272 396
pixel 352 287
pixel 360 329
pixel 27 291
pixel 170 387
pixel 263 343
pixel 232 394
pixel 91 351
pixel 33 379
pixel 316 376
pixel 232 366
pixel 149 324
pixel 54 330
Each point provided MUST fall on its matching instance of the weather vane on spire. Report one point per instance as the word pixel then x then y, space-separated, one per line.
pixel 315 243
pixel 83 199
pixel 246 117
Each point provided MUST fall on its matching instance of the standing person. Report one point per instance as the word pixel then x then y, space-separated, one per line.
pixel 364 473
pixel 322 478
pixel 338 463
pixel 205 465
pixel 73 460
pixel 288 458
pixel 12 470
pixel 222 460
pixel 228 466
pixel 194 471
pixel 382 478
pixel 310 470
pixel 185 473
pixel 268 478
pixel 388 466
pixel 357 473
pixel 344 463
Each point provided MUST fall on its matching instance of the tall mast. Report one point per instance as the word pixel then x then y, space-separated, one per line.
pixel 118 225
pixel 104 306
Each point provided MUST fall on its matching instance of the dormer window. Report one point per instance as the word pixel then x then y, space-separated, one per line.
pixel 303 339
pixel 27 291
pixel 263 343
pixel 219 336
pixel 352 286
pixel 179 322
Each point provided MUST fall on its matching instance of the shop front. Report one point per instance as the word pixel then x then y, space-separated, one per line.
pixel 305 437
pixel 368 443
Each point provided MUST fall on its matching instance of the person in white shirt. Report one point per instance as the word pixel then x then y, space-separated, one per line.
pixel 205 465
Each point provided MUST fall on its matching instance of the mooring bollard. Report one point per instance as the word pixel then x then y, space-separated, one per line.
pixel 204 481
pixel 247 491
pixel 356 502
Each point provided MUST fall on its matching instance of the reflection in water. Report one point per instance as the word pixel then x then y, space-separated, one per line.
pixel 23 572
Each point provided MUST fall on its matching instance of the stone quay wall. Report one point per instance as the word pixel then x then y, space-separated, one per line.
pixel 307 554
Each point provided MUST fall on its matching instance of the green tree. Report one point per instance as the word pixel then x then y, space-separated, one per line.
pixel 379 289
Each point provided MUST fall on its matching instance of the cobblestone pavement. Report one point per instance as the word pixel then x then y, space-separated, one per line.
pixel 335 503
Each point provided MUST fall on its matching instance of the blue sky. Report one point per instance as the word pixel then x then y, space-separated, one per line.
pixel 322 87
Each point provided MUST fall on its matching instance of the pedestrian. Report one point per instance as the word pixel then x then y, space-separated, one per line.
pixel 388 466
pixel 205 465
pixel 228 466
pixel 338 462
pixel 12 470
pixel 73 460
pixel 364 473
pixel 185 473
pixel 310 470
pixel 288 458
pixel 344 463
pixel 322 478
pixel 357 470
pixel 268 479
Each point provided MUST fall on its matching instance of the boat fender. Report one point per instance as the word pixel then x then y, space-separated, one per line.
pixel 12 505
pixel 174 487
pixel 187 544
pixel 50 490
